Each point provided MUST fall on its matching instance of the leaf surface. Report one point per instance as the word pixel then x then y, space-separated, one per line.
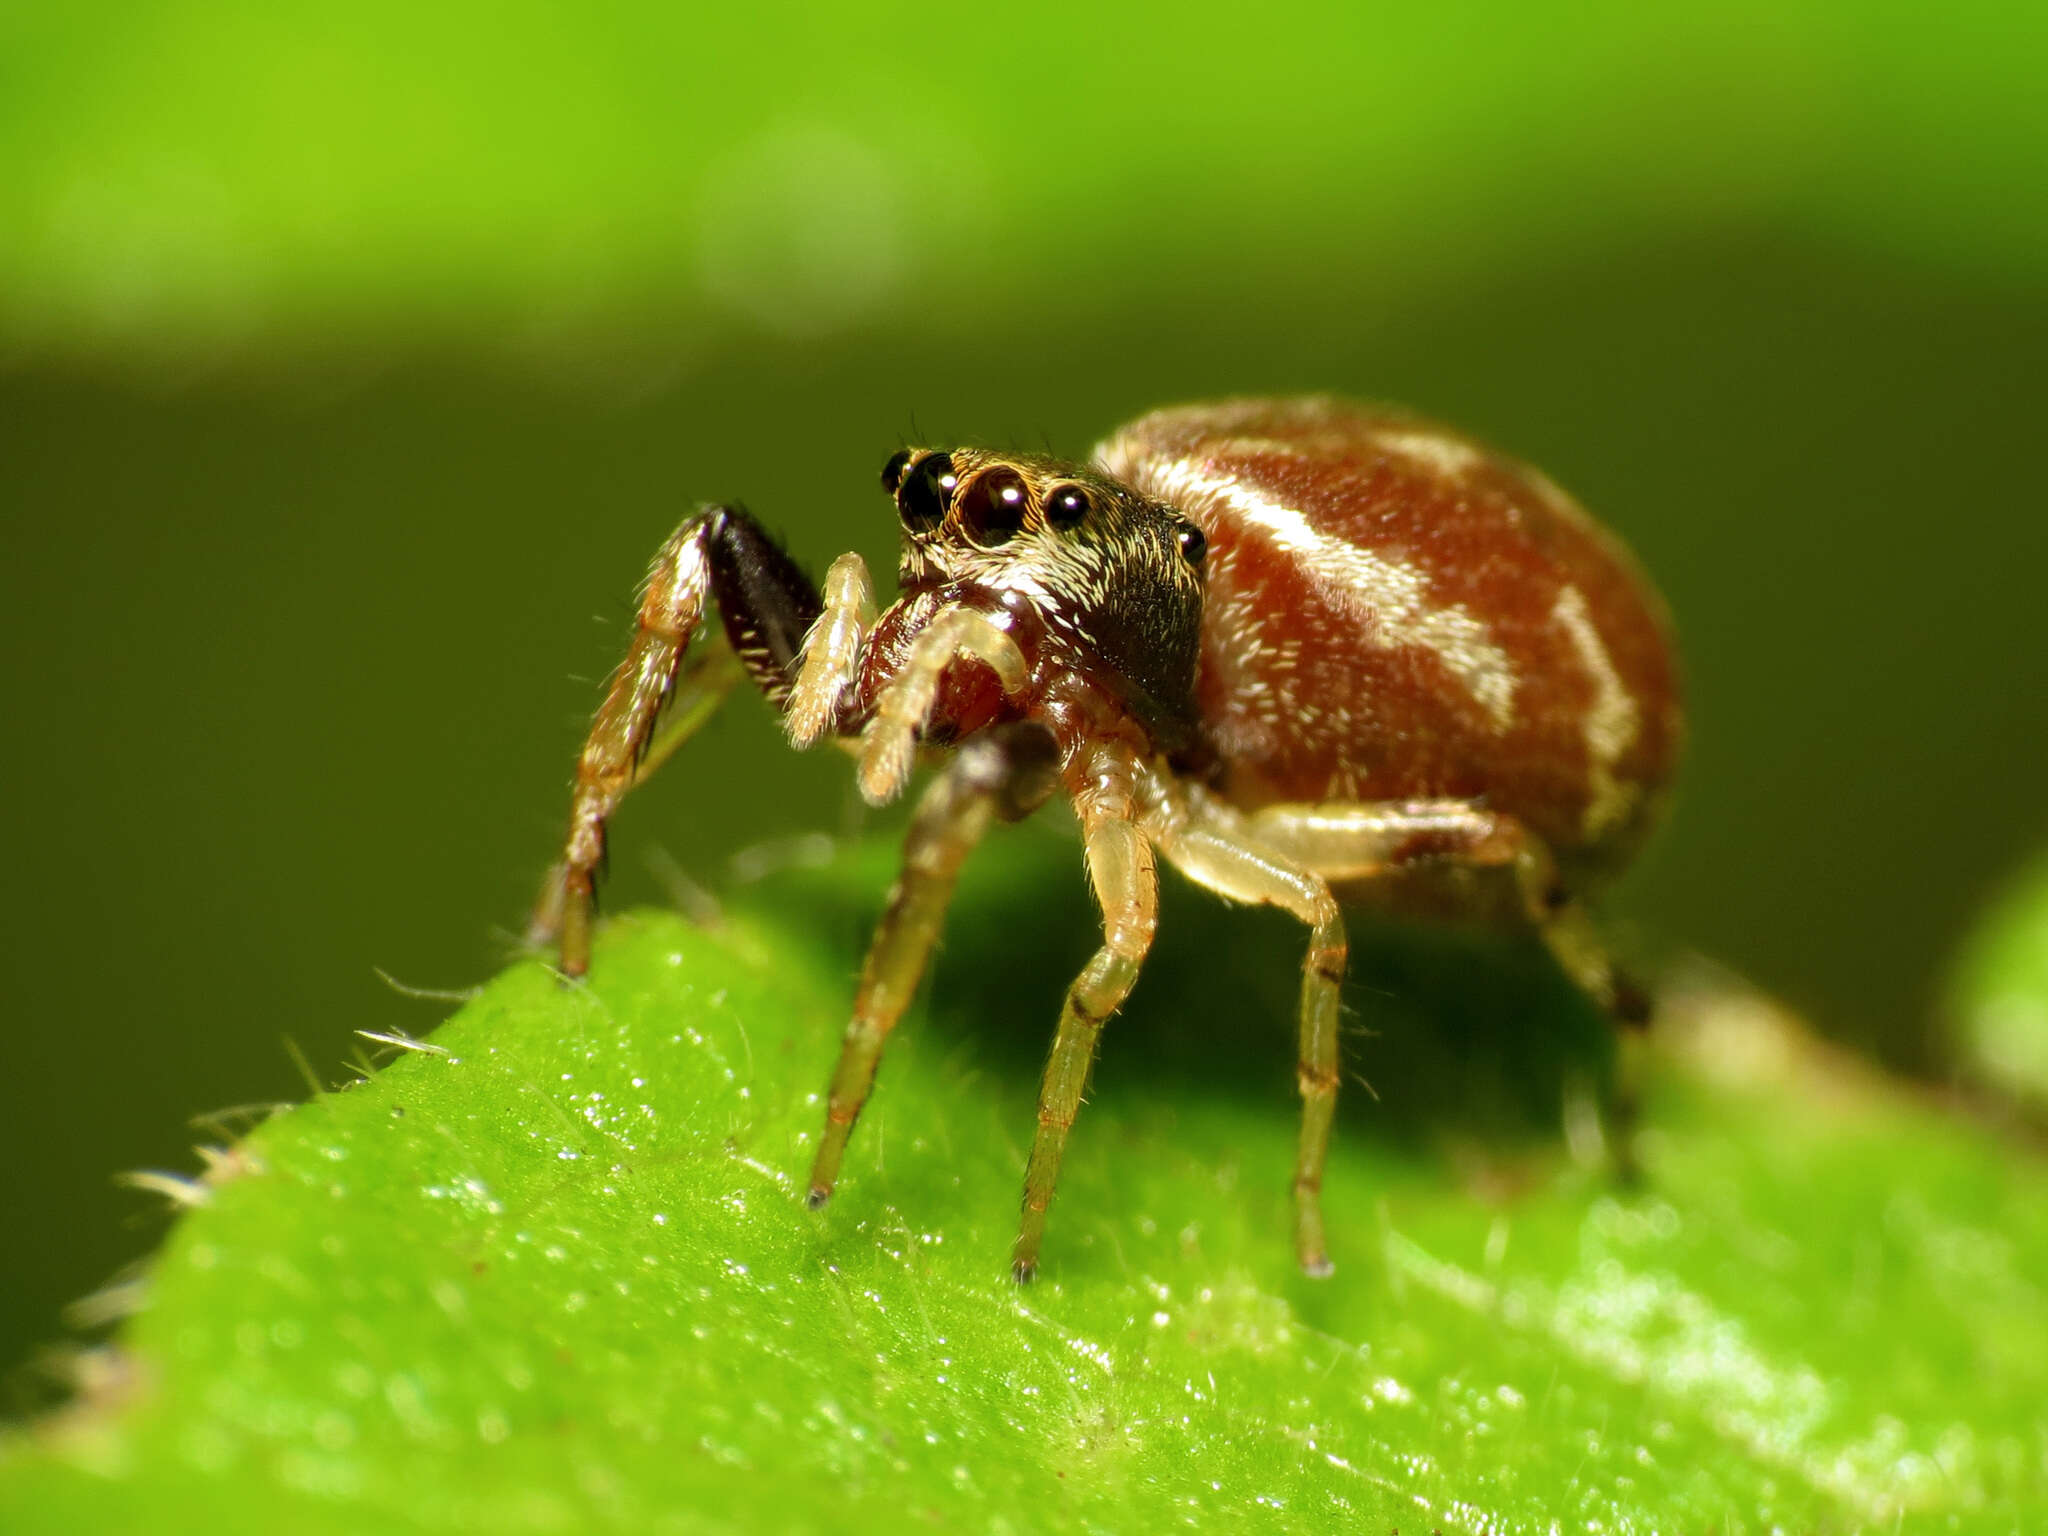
pixel 553 1271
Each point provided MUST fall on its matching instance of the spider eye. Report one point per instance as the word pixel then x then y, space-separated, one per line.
pixel 892 472
pixel 1193 544
pixel 922 494
pixel 1065 505
pixel 992 507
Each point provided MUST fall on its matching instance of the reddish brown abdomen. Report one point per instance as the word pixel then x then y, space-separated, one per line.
pixel 1395 612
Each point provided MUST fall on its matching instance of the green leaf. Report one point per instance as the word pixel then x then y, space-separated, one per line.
pixel 1999 995
pixel 552 1271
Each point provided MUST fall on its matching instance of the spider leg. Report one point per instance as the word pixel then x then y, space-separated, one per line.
pixel 1121 870
pixel 702 682
pixel 1212 850
pixel 1353 843
pixel 1569 932
pixel 766 607
pixel 889 744
pixel 1006 773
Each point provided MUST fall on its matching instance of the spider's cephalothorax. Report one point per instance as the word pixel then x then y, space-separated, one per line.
pixel 1097 585
pixel 1291 645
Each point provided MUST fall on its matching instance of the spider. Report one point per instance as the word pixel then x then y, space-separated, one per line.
pixel 1300 648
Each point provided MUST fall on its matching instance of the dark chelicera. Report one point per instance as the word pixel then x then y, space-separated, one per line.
pixel 1298 647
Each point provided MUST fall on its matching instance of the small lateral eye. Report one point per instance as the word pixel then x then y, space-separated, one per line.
pixel 1065 505
pixel 922 494
pixel 992 506
pixel 892 472
pixel 1193 544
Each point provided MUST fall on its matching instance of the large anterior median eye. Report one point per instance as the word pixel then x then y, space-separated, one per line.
pixel 921 498
pixel 992 506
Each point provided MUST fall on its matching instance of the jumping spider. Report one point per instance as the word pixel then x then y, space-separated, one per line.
pixel 1298 647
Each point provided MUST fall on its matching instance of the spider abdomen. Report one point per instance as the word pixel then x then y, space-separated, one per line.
pixel 1394 612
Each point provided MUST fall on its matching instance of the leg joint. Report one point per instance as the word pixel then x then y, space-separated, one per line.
pixel 1085 1013
pixel 1328 963
pixel 1317 1081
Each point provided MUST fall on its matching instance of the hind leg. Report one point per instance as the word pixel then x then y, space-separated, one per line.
pixel 1213 852
pixel 1357 843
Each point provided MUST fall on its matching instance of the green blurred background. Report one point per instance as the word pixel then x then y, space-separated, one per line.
pixel 354 359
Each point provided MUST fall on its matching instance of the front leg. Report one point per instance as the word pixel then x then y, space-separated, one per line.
pixel 766 607
pixel 703 679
